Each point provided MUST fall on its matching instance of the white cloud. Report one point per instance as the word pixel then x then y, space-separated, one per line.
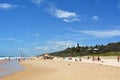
pixel 71 20
pixel 99 34
pixel 60 45
pixel 54 45
pixel 7 6
pixel 11 39
pixel 95 18
pixel 38 2
pixel 65 15
pixel 39 48
pixel 103 34
pixel 49 46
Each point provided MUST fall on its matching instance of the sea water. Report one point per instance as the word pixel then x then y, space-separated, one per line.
pixel 10 67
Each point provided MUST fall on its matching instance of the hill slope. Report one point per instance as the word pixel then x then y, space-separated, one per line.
pixel 105 50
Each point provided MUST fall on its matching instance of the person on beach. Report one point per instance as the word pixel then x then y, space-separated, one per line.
pixel 118 58
pixel 9 59
pixel 98 58
pixel 88 57
pixel 19 59
pixel 76 59
pixel 93 59
pixel 80 59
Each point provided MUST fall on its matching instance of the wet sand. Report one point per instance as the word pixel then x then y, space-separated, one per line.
pixel 64 70
pixel 9 67
pixel 1 70
pixel 2 61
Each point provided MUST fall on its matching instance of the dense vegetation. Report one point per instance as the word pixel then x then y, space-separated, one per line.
pixel 103 50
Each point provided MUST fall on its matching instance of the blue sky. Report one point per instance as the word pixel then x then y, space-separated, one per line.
pixel 41 26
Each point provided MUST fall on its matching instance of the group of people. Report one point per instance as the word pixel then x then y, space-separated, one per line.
pixel 98 58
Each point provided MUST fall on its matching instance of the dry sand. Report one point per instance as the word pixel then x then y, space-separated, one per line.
pixel 64 70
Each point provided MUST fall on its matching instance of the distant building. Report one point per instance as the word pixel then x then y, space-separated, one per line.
pixel 95 49
pixel 46 56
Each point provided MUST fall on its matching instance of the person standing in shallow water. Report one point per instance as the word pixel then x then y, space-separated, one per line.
pixel 19 59
pixel 9 59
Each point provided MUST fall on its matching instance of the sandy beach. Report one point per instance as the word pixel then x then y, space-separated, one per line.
pixel 64 70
